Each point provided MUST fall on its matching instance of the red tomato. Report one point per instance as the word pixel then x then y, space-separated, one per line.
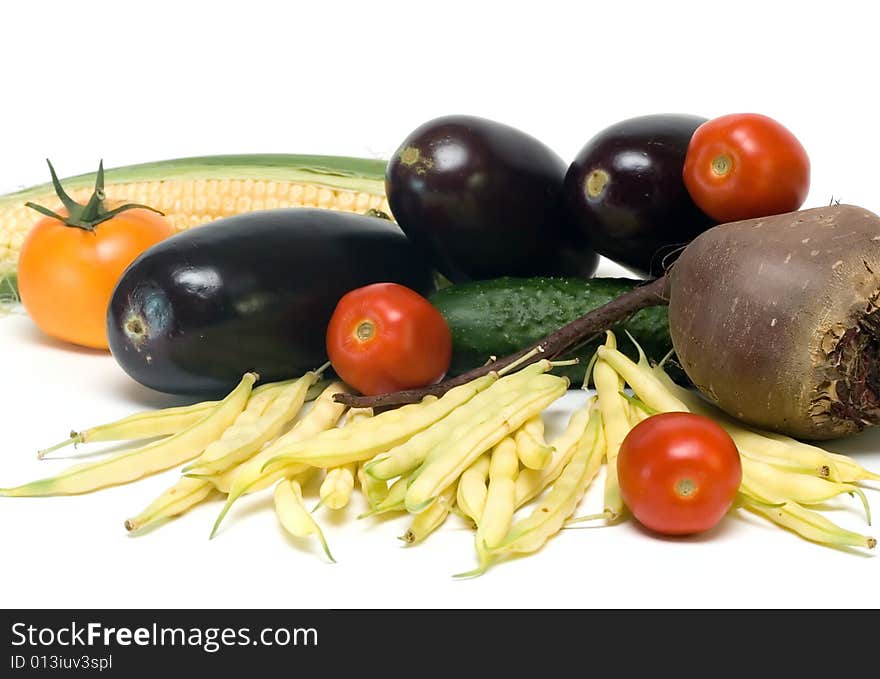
pixel 678 473
pixel 385 337
pixel 746 165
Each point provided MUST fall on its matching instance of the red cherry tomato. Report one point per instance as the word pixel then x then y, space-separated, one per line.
pixel 385 337
pixel 678 473
pixel 746 165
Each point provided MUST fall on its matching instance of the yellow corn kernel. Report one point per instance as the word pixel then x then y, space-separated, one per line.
pixel 189 203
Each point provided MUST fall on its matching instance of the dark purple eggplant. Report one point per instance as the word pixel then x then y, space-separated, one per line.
pixel 483 200
pixel 625 191
pixel 249 292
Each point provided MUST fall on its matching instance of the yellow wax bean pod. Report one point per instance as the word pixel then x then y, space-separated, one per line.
pixel 357 415
pixel 531 447
pixel 644 383
pixel 531 482
pixel 249 476
pixel 846 468
pixel 773 486
pixel 324 414
pixel 262 421
pixel 431 518
pixel 152 423
pixel 445 464
pixel 615 424
pixel 393 500
pixel 146 424
pixel 472 489
pixel 374 490
pixel 407 456
pixel 809 524
pixel 242 437
pixel 313 392
pixel 500 495
pixel 780 451
pixel 850 471
pixel 548 517
pixel 293 514
pixel 635 414
pixel 337 486
pixel 377 434
pixel 178 499
pixel 152 458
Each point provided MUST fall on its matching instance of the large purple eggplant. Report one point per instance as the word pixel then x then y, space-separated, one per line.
pixel 625 191
pixel 250 292
pixel 484 200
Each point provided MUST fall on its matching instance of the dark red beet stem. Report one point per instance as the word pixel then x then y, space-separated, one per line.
pixel 579 330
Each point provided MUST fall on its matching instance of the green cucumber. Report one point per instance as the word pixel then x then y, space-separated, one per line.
pixel 499 317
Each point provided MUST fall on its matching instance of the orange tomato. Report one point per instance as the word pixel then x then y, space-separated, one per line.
pixel 66 274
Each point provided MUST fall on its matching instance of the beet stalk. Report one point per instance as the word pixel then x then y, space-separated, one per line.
pixel 552 346
pixel 775 320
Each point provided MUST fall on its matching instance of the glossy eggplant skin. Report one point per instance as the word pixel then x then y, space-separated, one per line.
pixel 249 292
pixel 625 191
pixel 483 200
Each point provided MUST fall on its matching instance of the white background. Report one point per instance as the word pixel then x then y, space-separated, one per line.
pixel 132 82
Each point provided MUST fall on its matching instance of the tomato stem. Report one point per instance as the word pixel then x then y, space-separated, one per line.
pixel 87 216
pixel 722 164
pixel 365 330
pixel 685 487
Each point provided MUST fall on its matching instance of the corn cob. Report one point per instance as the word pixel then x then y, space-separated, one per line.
pixel 194 191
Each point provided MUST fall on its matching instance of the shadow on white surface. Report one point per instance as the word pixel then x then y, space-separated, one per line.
pixel 22 329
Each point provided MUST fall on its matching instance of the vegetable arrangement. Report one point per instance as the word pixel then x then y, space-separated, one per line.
pixel 431 401
pixel 744 321
pixel 479 451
